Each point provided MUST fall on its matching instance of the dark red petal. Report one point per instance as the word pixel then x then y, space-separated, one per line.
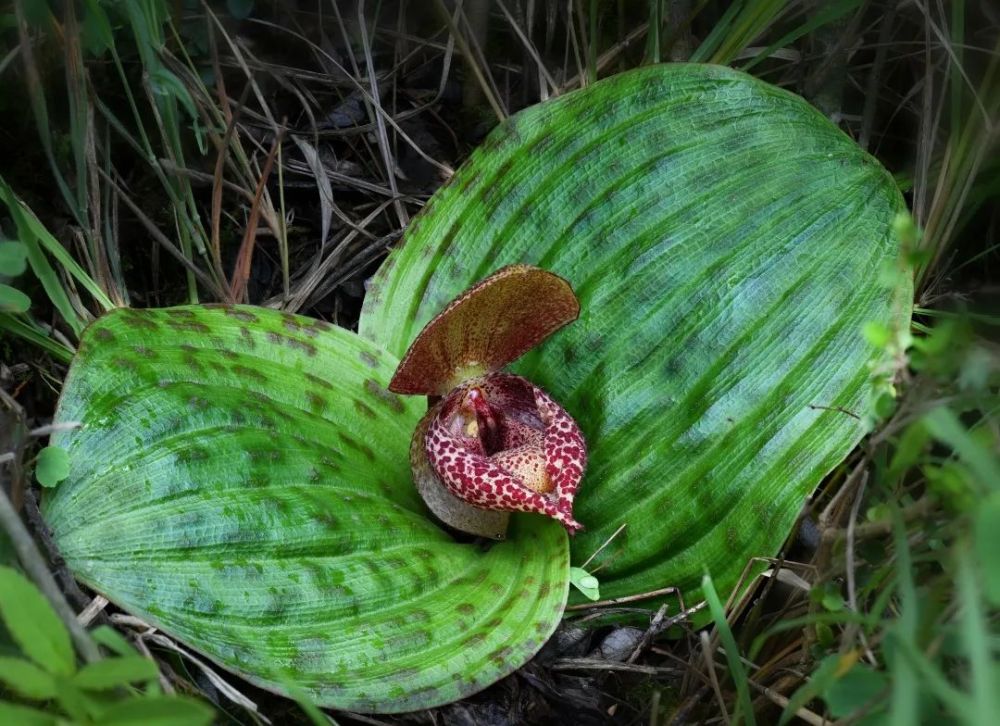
pixel 488 326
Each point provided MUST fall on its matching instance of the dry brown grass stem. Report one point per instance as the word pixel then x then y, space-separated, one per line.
pixel 662 592
pixel 656 626
pixel 709 661
pixel 810 717
pixel 833 511
pixel 465 49
pixel 238 56
pixel 383 137
pixel 598 664
pixel 309 169
pixel 241 271
pixel 306 288
pixel 9 58
pixel 946 44
pixel 94 608
pixel 356 83
pixel 201 177
pixel 604 544
pixel 882 527
pixel 875 77
pixel 218 178
pixel 223 686
pixel 605 59
pixel 163 240
pixel 529 47
pixel 853 630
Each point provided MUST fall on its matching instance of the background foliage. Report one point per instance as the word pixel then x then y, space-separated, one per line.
pixel 174 152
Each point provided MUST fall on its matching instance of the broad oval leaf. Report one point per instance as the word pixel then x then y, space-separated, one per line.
pixel 241 479
pixel 51 466
pixel 13 300
pixel 13 258
pixel 725 242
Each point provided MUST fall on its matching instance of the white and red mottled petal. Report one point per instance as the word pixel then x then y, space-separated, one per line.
pixel 442 502
pixel 565 450
pixel 474 477
pixel 483 482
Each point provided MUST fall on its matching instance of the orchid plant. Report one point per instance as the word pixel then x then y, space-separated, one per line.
pixel 276 493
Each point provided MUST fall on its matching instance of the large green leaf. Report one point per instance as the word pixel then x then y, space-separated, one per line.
pixel 725 241
pixel 241 479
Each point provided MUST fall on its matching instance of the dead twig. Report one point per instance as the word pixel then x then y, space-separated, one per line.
pixel 467 53
pixel 810 717
pixel 156 234
pixel 96 606
pixel 383 137
pixel 706 653
pixel 626 598
pixel 597 664
pixel 241 271
pixel 655 627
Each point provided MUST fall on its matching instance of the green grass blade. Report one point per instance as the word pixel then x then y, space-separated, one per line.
pixel 983 666
pixel 717 35
pixel 736 669
pixel 904 704
pixel 39 242
pixel 26 330
pixel 945 426
pixel 755 18
pixel 913 676
pixel 39 107
pixel 828 13
pixel 40 264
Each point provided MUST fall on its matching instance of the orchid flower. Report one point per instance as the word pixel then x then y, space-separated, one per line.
pixel 494 443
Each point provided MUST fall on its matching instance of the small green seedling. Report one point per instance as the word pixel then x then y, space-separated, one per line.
pixel 51 466
pixel 586 583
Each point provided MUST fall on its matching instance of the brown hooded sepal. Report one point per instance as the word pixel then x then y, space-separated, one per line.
pixel 488 326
